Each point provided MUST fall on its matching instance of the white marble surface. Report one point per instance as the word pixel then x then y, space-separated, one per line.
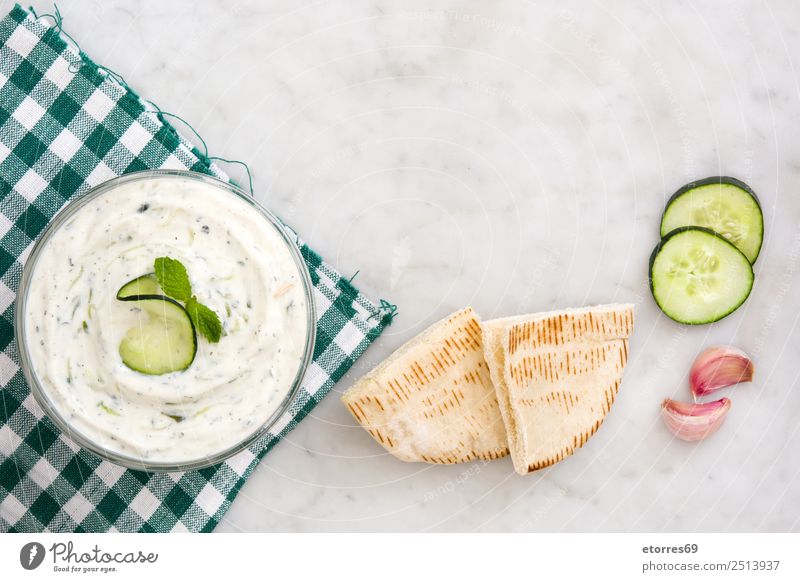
pixel 514 156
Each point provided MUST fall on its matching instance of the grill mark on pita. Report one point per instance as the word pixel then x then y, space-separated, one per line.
pixel 546 367
pixel 535 365
pixel 361 411
pixel 354 412
pixel 549 461
pixel 462 345
pixel 542 365
pixel 560 333
pixel 445 354
pixel 473 328
pixel 438 366
pixel 471 341
pixel 455 344
pixel 474 427
pixel 449 345
pixel 417 368
pixel 393 385
pixel 485 380
pixel 441 407
pixel 615 390
pixel 488 407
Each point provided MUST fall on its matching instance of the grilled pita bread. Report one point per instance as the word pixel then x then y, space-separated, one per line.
pixel 556 376
pixel 433 399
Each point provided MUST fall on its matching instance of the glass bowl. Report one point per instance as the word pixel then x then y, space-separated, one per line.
pixel 40 392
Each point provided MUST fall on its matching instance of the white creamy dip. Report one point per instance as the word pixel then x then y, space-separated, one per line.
pixel 238 265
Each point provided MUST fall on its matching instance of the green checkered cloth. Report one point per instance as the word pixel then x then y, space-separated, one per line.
pixel 67 125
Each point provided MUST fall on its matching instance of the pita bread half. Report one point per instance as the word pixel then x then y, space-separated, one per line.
pixel 433 400
pixel 556 375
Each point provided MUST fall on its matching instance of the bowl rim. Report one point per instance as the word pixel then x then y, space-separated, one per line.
pixel 40 394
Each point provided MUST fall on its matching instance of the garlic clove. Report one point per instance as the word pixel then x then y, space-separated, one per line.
pixel 719 367
pixel 694 422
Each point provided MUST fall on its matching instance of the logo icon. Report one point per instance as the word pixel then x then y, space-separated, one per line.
pixel 31 555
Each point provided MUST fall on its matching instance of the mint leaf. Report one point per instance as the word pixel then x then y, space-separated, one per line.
pixel 172 278
pixel 205 320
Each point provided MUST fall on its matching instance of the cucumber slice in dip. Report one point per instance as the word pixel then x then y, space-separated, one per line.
pixel 144 285
pixel 164 341
pixel 725 205
pixel 697 276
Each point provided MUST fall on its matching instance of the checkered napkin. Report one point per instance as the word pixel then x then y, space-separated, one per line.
pixel 67 125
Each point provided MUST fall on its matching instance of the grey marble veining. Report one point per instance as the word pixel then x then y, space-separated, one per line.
pixel 514 156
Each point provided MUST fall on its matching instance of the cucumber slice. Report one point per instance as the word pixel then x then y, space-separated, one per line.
pixel 144 285
pixel 165 341
pixel 697 276
pixel 725 205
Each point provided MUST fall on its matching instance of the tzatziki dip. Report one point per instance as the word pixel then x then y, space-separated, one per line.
pixel 114 357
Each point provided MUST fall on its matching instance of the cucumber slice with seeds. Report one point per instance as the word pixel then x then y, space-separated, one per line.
pixel 144 285
pixel 697 276
pixel 725 205
pixel 165 339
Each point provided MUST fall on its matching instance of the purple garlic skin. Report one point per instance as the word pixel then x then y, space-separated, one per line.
pixel 694 422
pixel 719 367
